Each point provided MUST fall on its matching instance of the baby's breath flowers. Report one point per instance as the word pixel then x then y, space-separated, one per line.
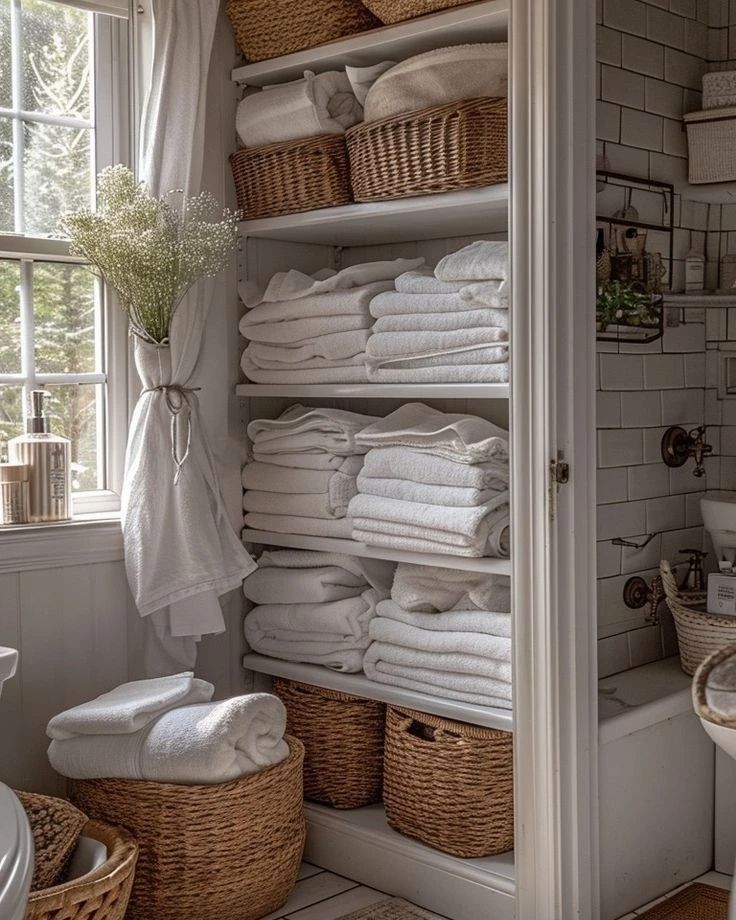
pixel 150 250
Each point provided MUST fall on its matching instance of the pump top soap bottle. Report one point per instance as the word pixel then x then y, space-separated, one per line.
pixel 49 458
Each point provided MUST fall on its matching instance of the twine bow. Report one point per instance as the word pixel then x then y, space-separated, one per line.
pixel 176 408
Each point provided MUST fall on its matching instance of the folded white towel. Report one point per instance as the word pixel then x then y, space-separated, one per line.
pixel 424 281
pixel 394 303
pixel 205 743
pixel 405 463
pixel 389 345
pixel 338 528
pixel 417 372
pixel 429 589
pixel 464 438
pixel 393 537
pixel 291 503
pixel 489 355
pixel 483 260
pixel 441 322
pixel 353 373
pixel 312 460
pixel 293 285
pixel 304 329
pixel 363 78
pixel 456 621
pixel 408 491
pixel 486 294
pixel 130 707
pixel 301 428
pixel 334 488
pixel 317 104
pixel 454 677
pixel 321 351
pixel 404 635
pixel 341 303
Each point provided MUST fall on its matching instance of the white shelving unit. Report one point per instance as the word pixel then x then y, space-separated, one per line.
pixel 417 391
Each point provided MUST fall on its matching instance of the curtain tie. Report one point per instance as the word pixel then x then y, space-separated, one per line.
pixel 176 408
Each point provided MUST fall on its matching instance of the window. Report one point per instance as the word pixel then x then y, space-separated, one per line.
pixel 63 117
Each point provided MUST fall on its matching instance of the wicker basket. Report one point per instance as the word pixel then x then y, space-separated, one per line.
pixel 56 825
pixel 700 701
pixel 446 147
pixel 698 633
pixel 224 852
pixel 291 176
pixel 269 28
pixel 719 89
pixel 449 784
pixel 101 894
pixel 389 11
pixel 343 741
pixel 711 141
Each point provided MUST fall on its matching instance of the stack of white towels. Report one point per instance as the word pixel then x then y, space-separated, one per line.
pixel 445 633
pixel 303 471
pixel 446 326
pixel 167 730
pixel 312 329
pixel 314 607
pixel 433 482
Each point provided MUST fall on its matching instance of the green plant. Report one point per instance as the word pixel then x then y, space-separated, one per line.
pixel 620 304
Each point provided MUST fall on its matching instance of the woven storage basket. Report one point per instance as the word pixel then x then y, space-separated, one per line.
pixel 700 682
pixel 291 176
pixel 101 894
pixel 56 826
pixel 446 147
pixel 390 11
pixel 698 633
pixel 269 28
pixel 711 141
pixel 343 741
pixel 225 852
pixel 449 784
pixel 719 89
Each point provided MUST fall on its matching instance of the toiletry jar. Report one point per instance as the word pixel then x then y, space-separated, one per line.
pixel 15 495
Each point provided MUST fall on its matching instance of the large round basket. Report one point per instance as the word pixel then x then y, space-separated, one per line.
pixel 440 149
pixel 449 784
pixel 225 852
pixel 269 28
pixel 390 11
pixel 343 741
pixel 291 176
pixel 56 825
pixel 99 895
pixel 699 634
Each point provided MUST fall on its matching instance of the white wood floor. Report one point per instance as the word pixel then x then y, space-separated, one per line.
pixel 716 879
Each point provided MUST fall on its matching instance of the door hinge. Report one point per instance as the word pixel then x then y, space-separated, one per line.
pixel 560 471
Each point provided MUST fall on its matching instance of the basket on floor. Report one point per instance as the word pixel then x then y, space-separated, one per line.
pixel 269 28
pixel 230 850
pixel 439 149
pixel 698 633
pixel 343 741
pixel 449 784
pixel 390 11
pixel 56 825
pixel 101 894
pixel 291 176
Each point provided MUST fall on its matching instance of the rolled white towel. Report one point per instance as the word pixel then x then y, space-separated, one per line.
pixel 130 707
pixel 203 744
pixel 483 260
pixel 363 78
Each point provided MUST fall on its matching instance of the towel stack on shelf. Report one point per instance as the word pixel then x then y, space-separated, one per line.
pixel 303 471
pixel 314 329
pixel 433 482
pixel 445 633
pixel 314 607
pixel 446 326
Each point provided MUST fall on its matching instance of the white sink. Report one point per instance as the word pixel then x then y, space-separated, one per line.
pixel 8 664
pixel 719 518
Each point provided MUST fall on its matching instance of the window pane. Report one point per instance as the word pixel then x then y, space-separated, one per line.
pixel 56 59
pixel 65 312
pixel 6 72
pixel 11 417
pixel 7 182
pixel 77 412
pixel 9 317
pixel 57 175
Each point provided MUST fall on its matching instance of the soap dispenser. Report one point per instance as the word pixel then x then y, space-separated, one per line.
pixel 48 457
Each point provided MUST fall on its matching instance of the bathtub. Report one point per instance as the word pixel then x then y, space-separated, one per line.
pixel 656 787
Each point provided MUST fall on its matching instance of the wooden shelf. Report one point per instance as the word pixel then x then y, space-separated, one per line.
pixel 359 844
pixel 468 212
pixel 360 685
pixel 353 548
pixel 478 22
pixel 376 390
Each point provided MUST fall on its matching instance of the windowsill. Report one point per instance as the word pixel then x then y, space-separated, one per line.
pixel 88 538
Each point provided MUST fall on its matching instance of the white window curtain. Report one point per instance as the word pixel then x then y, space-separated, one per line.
pixel 181 552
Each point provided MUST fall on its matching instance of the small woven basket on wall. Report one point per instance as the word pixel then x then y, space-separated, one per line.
pixel 101 894
pixel 389 11
pixel 699 634
pixel 269 28
pixel 291 176
pixel 343 741
pixel 439 149
pixel 224 852
pixel 56 825
pixel 449 784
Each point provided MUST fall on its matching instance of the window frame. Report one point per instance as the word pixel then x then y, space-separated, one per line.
pixel 112 123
